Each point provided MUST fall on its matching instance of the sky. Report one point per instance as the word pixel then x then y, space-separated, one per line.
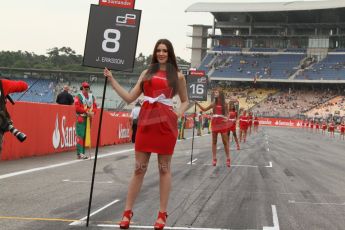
pixel 38 25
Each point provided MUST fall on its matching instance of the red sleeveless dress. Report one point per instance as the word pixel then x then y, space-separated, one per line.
pixel 157 122
pixel 342 129
pixel 244 122
pixel 250 121
pixel 219 121
pixel 232 121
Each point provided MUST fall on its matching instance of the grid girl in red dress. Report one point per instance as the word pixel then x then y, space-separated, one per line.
pixel 219 124
pixel 232 123
pixel 157 126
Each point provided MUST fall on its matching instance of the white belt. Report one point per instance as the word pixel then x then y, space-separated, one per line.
pixel 232 119
pixel 218 115
pixel 161 99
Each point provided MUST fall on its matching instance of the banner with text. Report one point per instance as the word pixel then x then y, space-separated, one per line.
pixel 280 122
pixel 50 128
pixel 118 3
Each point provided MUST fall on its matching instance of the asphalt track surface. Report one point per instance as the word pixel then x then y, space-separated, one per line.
pixel 280 179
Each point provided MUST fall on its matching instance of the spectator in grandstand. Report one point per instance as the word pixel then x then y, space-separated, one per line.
pixel 219 124
pixel 85 106
pixel 65 98
pixel 232 122
pixel 134 119
pixel 157 127
pixel 7 87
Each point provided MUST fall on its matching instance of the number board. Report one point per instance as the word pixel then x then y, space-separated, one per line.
pixel 112 37
pixel 197 84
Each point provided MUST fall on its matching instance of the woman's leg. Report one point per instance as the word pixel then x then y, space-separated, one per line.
pixel 214 145
pixel 244 135
pixel 141 164
pixel 236 139
pixel 225 140
pixel 164 163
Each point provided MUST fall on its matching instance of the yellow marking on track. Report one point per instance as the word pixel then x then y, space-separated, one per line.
pixel 50 219
pixel 35 218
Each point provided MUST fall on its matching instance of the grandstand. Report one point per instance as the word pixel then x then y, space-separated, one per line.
pixel 273 41
pixel 294 48
pixel 45 85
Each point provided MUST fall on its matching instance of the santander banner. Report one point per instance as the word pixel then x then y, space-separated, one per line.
pixel 280 122
pixel 118 3
pixel 50 128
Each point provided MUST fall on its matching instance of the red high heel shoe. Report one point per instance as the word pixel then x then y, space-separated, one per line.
pixel 238 147
pixel 228 162
pixel 124 224
pixel 163 216
pixel 214 162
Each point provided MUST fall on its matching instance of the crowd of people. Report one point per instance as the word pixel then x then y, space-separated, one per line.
pixel 292 102
pixel 323 126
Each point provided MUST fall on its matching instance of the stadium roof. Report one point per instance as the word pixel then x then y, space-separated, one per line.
pixel 214 7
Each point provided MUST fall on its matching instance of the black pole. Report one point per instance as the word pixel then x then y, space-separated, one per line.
pixel 96 152
pixel 27 90
pixel 191 155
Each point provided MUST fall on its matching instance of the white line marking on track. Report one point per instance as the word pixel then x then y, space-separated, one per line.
pixel 275 220
pixel 250 166
pixel 192 137
pixel 172 228
pixel 270 165
pixel 193 161
pixel 59 165
pixel 82 220
pixel 304 202
pixel 84 181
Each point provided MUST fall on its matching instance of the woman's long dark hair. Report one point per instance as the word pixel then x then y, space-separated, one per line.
pixel 232 107
pixel 220 100
pixel 171 67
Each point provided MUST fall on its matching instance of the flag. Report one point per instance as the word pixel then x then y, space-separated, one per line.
pixel 88 133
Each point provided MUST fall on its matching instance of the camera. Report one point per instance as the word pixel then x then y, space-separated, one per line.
pixel 15 132
pixel 6 124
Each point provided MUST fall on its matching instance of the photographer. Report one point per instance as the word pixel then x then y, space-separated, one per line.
pixel 6 124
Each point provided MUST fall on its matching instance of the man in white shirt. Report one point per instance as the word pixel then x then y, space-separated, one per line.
pixel 134 119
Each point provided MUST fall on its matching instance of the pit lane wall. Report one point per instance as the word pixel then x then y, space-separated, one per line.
pixel 50 129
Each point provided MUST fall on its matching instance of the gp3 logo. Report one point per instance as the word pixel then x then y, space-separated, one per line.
pixel 128 19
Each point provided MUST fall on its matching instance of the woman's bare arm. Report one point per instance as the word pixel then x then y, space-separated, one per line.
pixel 128 97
